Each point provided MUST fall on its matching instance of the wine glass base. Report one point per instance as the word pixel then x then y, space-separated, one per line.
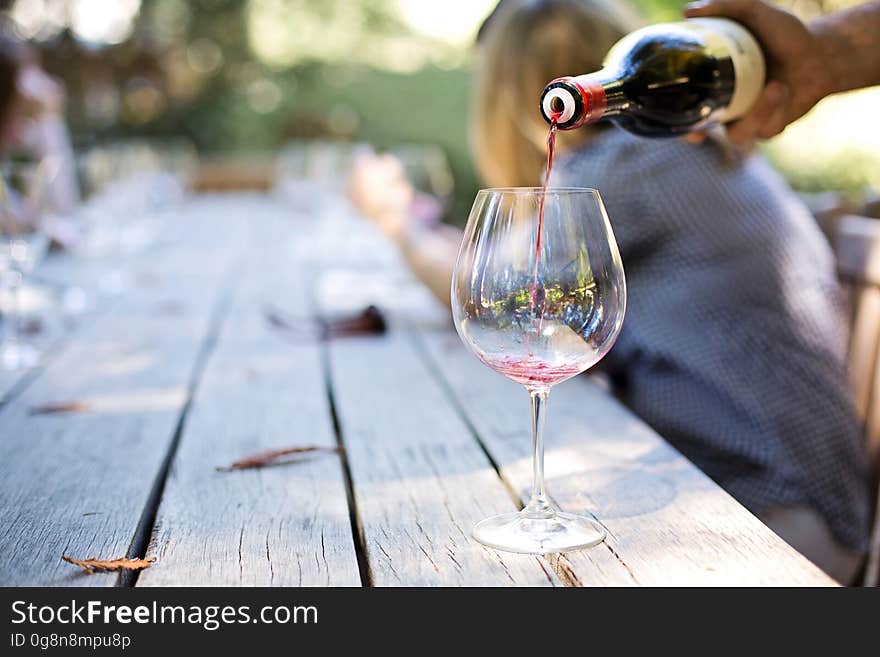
pixel 18 356
pixel 560 532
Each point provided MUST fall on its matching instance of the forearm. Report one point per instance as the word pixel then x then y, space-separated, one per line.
pixel 430 255
pixel 851 43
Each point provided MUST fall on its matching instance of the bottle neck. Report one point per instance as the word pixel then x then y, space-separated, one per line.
pixel 572 102
pixel 611 82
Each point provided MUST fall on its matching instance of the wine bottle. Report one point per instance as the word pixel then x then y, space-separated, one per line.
pixel 665 80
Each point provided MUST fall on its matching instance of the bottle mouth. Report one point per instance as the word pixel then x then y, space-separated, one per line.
pixel 572 102
pixel 563 103
pixel 558 104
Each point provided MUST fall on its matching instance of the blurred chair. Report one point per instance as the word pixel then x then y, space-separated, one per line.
pixel 857 246
pixel 828 208
pixel 871 207
pixel 236 172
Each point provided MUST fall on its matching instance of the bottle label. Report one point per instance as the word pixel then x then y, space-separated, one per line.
pixel 731 39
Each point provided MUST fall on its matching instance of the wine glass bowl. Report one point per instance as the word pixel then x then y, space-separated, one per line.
pixel 539 302
pixel 541 320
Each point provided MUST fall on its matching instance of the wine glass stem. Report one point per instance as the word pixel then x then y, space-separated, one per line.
pixel 538 506
pixel 14 331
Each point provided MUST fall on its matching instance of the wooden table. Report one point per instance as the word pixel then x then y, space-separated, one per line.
pixel 184 372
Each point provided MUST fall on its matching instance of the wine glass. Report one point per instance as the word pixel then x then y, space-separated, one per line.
pixel 538 304
pixel 22 245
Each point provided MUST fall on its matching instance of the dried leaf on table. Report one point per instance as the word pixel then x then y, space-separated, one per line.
pixel 60 407
pixel 272 457
pixel 277 319
pixel 93 565
pixel 31 326
pixel 369 321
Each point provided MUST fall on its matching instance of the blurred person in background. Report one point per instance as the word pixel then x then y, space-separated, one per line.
pixel 32 129
pixel 733 347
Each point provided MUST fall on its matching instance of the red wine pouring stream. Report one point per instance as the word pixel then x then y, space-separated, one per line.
pixel 539 237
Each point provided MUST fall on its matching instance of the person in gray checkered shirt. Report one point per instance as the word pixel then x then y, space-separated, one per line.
pixel 734 343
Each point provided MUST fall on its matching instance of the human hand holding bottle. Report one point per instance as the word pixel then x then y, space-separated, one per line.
pixel 806 62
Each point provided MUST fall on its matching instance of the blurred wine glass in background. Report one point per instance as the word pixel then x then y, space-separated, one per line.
pixel 127 185
pixel 310 175
pixel 23 244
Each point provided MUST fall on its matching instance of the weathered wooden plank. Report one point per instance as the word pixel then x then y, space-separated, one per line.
pixel 263 388
pixel 77 483
pixel 668 524
pixel 420 479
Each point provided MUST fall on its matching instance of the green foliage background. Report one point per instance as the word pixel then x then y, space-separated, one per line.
pixel 220 118
pixel 429 105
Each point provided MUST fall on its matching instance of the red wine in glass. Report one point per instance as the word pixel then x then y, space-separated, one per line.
pixel 534 372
